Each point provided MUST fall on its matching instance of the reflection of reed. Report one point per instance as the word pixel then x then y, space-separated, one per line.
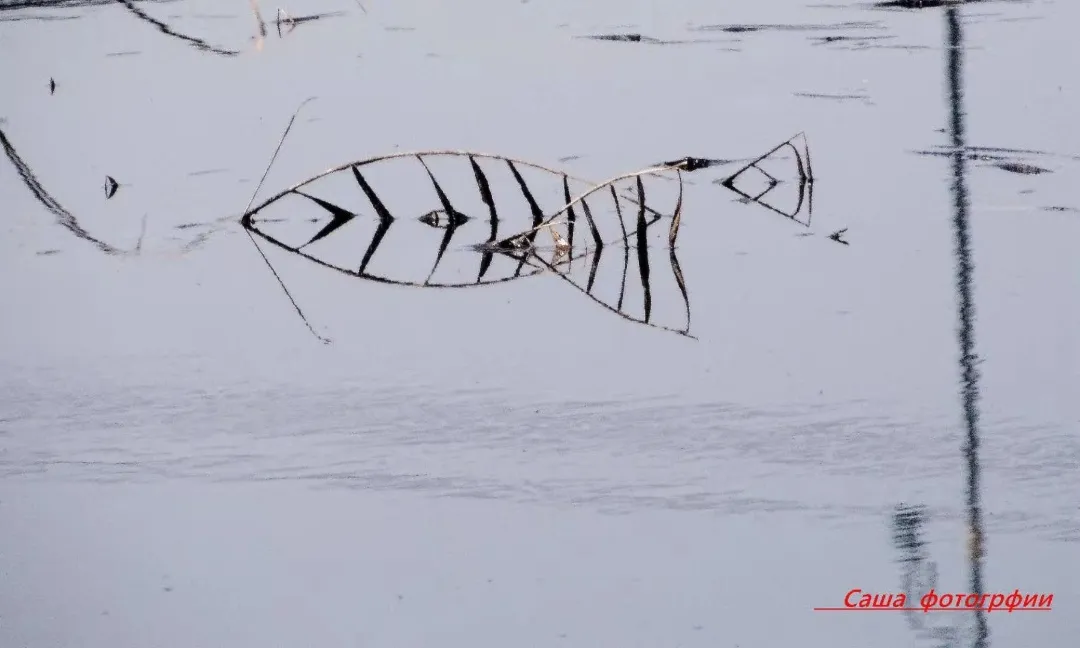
pixel 966 307
pixel 453 219
pixel 587 218
pixel 561 264
pixel 806 181
pixel 63 217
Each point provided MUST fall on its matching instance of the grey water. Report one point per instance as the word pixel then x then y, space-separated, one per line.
pixel 876 387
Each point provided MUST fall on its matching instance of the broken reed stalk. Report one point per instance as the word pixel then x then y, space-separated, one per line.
pixel 252 238
pixel 804 174
pixel 537 261
pixel 580 198
pixel 676 218
pixel 64 218
pixel 258 19
pixel 538 217
pixel 806 179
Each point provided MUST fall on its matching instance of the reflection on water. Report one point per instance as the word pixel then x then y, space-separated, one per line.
pixel 805 185
pixel 920 574
pixel 781 413
pixel 529 197
pixel 966 306
pixel 63 217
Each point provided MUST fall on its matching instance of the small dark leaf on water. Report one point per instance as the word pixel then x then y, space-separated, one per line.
pixel 52 85
pixel 110 187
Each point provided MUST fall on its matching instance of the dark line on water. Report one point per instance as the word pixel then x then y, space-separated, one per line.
pixel 169 31
pixel 966 306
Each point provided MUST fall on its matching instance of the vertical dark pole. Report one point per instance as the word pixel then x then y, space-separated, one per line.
pixel 966 328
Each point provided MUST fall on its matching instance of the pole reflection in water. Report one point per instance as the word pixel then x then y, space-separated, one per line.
pixel 919 572
pixel 966 329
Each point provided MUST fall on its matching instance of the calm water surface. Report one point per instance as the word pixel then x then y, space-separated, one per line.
pixel 182 463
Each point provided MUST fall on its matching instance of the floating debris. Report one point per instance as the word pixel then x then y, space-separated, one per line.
pixel 855 40
pixel 834 97
pixel 52 85
pixel 203 172
pixel 689 164
pixel 641 38
pixel 111 185
pixel 1013 160
pixel 621 38
pixel 923 4
pixel 750 28
pixel 1020 167
pixel 285 20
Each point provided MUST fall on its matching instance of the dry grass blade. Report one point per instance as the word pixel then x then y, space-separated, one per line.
pixel 571 217
pixel 510 241
pixel 376 240
pixel 536 260
pixel 63 217
pixel 245 220
pixel 805 185
pixel 484 188
pixel 455 219
pixel 169 31
pixel 398 193
pixel 597 241
pixel 339 217
pixel 643 249
pixel 380 209
pixel 258 17
pixel 676 218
